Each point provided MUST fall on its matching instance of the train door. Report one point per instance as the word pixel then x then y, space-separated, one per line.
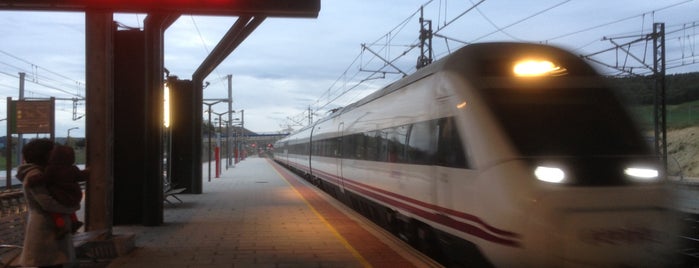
pixel 338 157
pixel 311 150
pixel 454 178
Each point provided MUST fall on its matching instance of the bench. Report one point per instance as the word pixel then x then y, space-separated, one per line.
pixel 13 215
pixel 11 236
pixel 169 191
pixel 13 219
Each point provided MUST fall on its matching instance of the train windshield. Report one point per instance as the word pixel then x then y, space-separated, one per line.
pixel 565 121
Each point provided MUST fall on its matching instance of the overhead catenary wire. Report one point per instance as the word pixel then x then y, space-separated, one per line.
pixel 334 93
pixel 615 21
pixel 44 81
pixel 37 67
pixel 45 85
pixel 474 6
pixel 520 21
pixel 206 48
pixel 632 51
pixel 387 43
pixel 493 23
pixel 385 46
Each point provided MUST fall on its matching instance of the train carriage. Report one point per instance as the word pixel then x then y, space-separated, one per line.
pixel 499 154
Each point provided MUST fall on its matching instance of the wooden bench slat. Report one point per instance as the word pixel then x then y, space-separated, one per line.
pixel 173 193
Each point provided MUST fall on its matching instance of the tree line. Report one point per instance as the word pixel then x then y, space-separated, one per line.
pixel 640 90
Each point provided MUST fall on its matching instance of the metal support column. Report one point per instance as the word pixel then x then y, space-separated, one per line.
pixel 154 26
pixel 240 30
pixel 99 96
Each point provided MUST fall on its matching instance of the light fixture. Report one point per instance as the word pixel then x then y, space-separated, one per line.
pixel 641 173
pixel 461 105
pixel 533 68
pixel 166 106
pixel 549 174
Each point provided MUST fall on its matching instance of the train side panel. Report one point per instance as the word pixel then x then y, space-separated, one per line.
pixel 449 160
pixel 384 121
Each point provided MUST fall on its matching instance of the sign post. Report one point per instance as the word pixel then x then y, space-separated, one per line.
pixel 24 117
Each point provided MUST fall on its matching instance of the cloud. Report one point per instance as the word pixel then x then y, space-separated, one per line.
pixel 289 64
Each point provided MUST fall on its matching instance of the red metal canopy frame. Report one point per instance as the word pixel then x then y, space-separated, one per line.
pixel 99 77
pixel 268 8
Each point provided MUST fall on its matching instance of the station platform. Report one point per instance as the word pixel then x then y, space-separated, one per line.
pixel 258 214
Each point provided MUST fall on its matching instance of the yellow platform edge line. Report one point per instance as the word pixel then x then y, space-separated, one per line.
pixel 342 239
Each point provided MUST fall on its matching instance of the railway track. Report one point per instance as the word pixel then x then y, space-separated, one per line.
pixel 689 239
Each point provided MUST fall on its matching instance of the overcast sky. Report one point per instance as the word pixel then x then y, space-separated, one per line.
pixel 288 65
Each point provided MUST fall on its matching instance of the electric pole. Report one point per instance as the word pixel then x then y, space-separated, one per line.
pixel 660 104
pixel 230 121
pixel 20 137
pixel 425 57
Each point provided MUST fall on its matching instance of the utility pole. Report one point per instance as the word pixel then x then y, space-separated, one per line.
pixel 230 121
pixel 209 131
pixel 425 57
pixel 658 70
pixel 242 130
pixel 660 102
pixel 20 137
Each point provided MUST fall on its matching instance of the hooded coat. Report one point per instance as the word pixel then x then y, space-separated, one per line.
pixel 41 244
pixel 61 176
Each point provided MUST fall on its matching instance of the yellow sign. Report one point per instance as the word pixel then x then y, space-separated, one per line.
pixel 33 116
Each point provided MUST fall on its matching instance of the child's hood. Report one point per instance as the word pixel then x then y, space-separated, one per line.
pixel 24 169
pixel 62 155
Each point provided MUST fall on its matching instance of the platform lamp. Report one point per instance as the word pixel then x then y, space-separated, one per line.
pixel 68 136
pixel 220 131
pixel 209 104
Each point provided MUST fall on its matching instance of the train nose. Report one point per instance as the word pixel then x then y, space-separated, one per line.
pixel 634 237
pixel 615 226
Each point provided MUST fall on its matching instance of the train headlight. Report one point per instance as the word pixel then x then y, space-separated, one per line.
pixel 549 174
pixel 533 68
pixel 642 174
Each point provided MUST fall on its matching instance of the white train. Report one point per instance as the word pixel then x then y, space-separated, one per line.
pixel 500 154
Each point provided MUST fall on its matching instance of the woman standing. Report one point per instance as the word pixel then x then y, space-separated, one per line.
pixel 43 247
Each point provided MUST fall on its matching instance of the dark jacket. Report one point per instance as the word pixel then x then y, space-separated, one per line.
pixel 61 176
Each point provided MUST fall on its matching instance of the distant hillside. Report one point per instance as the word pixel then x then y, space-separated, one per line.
pixel 680 88
pixel 682 93
pixel 683 152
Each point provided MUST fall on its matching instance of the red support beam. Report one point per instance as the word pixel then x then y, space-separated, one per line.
pixel 267 8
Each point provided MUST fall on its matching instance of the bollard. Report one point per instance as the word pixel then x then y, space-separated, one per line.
pixel 217 155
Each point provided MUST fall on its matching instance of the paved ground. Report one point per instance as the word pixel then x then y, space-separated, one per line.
pixel 256 215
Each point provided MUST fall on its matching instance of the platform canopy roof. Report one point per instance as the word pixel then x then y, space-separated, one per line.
pixel 267 8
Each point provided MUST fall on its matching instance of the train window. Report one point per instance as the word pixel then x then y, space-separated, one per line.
pixel 422 143
pixel 332 147
pixel 372 141
pixel 359 145
pixel 434 142
pixel 323 144
pixel 450 149
pixel 327 148
pixel 337 147
pixel 349 146
pixel 382 142
pixel 570 121
pixel 396 139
